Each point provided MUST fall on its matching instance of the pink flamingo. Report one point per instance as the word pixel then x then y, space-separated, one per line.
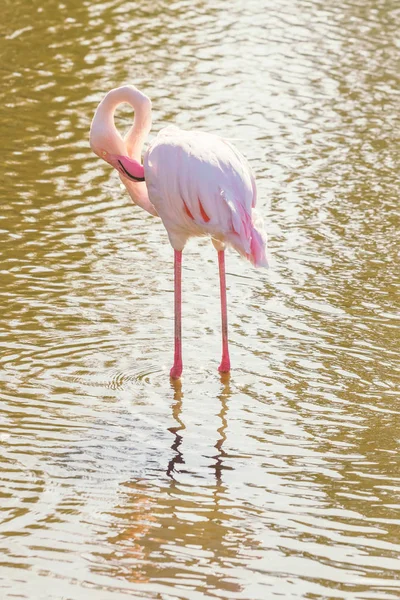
pixel 198 183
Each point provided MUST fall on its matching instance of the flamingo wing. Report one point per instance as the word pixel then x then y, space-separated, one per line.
pixel 201 185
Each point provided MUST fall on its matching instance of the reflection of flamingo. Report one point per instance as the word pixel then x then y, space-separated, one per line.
pixel 178 458
pixel 198 184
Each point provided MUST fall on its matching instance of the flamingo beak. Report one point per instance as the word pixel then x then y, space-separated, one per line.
pixel 127 167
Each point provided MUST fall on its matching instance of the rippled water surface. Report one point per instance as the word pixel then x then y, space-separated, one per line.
pixel 284 480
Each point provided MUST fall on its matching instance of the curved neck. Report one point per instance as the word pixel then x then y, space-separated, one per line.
pixel 105 138
pixel 137 134
pixel 141 105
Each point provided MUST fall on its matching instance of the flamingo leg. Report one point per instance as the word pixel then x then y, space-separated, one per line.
pixel 176 370
pixel 225 365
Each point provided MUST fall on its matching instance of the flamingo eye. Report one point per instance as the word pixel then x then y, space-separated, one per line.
pixel 103 153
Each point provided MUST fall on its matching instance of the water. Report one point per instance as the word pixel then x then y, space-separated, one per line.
pixel 282 481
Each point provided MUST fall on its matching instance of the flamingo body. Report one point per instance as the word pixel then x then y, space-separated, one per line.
pixel 201 185
pixel 197 182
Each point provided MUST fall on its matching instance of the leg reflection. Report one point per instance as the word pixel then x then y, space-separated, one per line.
pixel 224 396
pixel 177 458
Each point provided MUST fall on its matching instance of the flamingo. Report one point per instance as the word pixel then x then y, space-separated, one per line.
pixel 197 182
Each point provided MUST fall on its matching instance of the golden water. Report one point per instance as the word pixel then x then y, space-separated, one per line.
pixel 284 480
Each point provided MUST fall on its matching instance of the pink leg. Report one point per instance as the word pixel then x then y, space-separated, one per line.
pixel 176 370
pixel 225 365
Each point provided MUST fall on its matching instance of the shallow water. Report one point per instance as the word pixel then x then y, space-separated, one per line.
pixel 282 480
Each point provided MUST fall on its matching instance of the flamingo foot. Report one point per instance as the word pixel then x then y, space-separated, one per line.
pixel 176 370
pixel 225 365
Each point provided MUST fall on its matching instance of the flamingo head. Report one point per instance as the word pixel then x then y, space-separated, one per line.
pixel 127 167
pixel 109 146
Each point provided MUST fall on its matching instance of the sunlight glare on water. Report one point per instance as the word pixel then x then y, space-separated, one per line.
pixel 282 480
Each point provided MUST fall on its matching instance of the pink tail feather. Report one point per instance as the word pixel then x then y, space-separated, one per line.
pixel 250 241
pixel 258 256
